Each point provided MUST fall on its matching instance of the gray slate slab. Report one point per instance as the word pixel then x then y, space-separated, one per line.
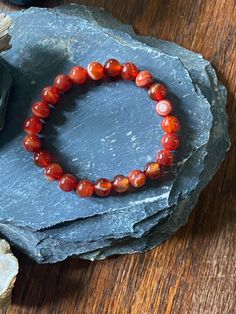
pixel 103 129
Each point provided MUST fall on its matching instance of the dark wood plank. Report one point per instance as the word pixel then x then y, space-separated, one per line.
pixel 195 271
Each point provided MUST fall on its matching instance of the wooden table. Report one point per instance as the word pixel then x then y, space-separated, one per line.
pixel 195 271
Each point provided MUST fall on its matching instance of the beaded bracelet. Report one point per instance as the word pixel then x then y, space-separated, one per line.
pixel 95 71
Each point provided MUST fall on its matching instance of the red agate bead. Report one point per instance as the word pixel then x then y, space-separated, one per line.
pixel 51 95
pixel 137 178
pixel 164 107
pixel 112 68
pixel 85 188
pixel 42 158
pixel 41 109
pixel 170 141
pixel 32 125
pixel 78 75
pixel 120 184
pixel 157 91
pixel 165 158
pixel 129 71
pixel 67 183
pixel 144 79
pixel 32 143
pixel 102 187
pixel 53 172
pixel 95 70
pixel 152 170
pixel 170 124
pixel 63 83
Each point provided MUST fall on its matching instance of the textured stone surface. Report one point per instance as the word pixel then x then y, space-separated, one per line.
pixel 109 134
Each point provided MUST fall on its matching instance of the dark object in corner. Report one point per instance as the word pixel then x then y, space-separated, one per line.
pixel 21 2
pixel 5 76
pixel 5 86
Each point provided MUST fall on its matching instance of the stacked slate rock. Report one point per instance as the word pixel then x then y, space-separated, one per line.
pixel 103 129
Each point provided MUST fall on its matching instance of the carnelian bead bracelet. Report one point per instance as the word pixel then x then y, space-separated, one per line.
pixel 78 75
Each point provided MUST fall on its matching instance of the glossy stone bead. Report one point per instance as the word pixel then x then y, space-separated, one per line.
pixel 170 124
pixel 78 75
pixel 144 79
pixel 112 68
pixel 32 143
pixel 43 158
pixel 32 125
pixel 95 70
pixel 63 83
pixel 67 183
pixel 137 178
pixel 41 109
pixel 120 184
pixel 170 141
pixel 165 158
pixel 157 91
pixel 85 188
pixel 51 95
pixel 152 170
pixel 164 107
pixel 129 71
pixel 53 172
pixel 102 187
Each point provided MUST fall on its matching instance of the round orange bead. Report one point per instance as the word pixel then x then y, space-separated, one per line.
pixel 165 158
pixel 67 183
pixel 32 143
pixel 42 158
pixel 137 178
pixel 95 70
pixel 78 75
pixel 51 95
pixel 170 141
pixel 102 187
pixel 41 109
pixel 152 170
pixel 53 172
pixel 144 79
pixel 85 188
pixel 129 71
pixel 112 68
pixel 157 91
pixel 170 124
pixel 63 83
pixel 32 125
pixel 120 184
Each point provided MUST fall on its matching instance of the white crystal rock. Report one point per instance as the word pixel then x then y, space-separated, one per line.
pixel 8 272
pixel 5 23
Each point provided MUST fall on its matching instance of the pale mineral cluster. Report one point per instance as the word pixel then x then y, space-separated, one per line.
pixel 8 272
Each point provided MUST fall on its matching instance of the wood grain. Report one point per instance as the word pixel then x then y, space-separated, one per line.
pixel 195 271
